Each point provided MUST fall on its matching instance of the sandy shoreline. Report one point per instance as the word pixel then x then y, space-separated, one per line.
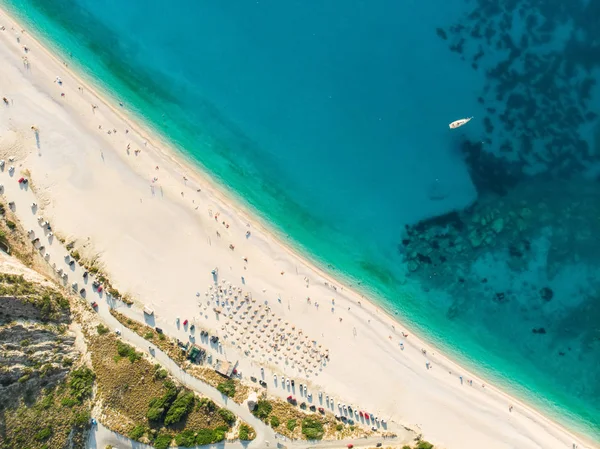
pixel 158 242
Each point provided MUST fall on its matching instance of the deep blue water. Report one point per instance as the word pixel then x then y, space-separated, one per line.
pixel 331 121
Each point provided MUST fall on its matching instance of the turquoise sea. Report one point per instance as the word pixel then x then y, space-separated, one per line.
pixel 330 120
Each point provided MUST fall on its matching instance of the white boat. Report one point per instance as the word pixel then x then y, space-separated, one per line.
pixel 459 123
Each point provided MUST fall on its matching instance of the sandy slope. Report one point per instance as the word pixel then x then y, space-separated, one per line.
pixel 158 241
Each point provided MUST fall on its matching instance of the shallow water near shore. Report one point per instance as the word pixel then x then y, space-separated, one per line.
pixel 331 122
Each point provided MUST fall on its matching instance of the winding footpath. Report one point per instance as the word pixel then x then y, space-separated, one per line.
pixel 23 198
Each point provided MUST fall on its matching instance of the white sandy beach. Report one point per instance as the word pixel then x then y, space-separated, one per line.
pixel 158 241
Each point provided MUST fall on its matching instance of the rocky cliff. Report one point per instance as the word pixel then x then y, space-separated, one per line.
pixel 44 390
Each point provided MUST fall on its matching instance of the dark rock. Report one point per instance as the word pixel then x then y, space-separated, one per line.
pixel 441 33
pixel 451 219
pixel 546 294
pixel 539 330
pixel 424 259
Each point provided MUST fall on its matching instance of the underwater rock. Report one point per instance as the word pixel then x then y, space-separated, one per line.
pixel 413 265
pixel 441 33
pixel 539 330
pixel 476 237
pixel 500 297
pixel 546 294
pixel 498 225
pixel 424 259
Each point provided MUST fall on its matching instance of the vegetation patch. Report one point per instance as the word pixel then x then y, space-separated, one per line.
pixel 163 441
pixel 227 416
pixel 312 428
pixel 49 304
pixel 291 424
pixel 137 432
pixel 262 409
pixel 167 345
pixel 59 413
pixel 125 350
pixel 180 407
pixel 141 400
pixel 246 433
pixel 227 388
pixel 81 383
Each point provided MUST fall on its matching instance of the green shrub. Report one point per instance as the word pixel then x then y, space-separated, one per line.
pixel 158 406
pixel 155 413
pixel 227 388
pixel 81 382
pixel 180 407
pixel 339 427
pixel 102 329
pixel 262 410
pixel 206 403
pixel 274 421
pixel 43 434
pixel 160 374
pixel 187 438
pixel 291 424
pixel 204 436
pixel 424 445
pixel 82 419
pixel 244 433
pixel 149 335
pixel 227 416
pixel 162 441
pixel 219 434
pixel 75 255
pixel 25 342
pixel 406 446
pixel 137 432
pixel 312 428
pixel 11 225
pixel 161 337
pixel 47 401
pixel 68 402
pixel 208 436
pixel 124 350
pixel 24 378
